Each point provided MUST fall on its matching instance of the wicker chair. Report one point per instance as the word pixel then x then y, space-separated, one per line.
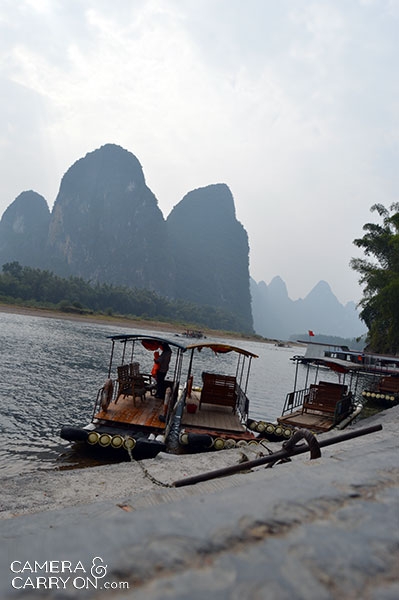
pixel 124 381
pixel 138 388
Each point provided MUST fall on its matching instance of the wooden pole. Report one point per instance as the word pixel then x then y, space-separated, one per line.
pixel 274 457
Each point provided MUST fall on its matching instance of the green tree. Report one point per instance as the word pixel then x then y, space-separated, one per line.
pixel 13 269
pixel 380 277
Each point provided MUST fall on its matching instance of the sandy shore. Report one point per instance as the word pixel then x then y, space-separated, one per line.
pixel 54 489
pixel 98 319
pixel 121 321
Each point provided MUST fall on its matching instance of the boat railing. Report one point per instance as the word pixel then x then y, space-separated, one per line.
pixel 294 400
pixel 242 405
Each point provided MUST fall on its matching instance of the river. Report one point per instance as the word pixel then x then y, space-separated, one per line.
pixel 51 370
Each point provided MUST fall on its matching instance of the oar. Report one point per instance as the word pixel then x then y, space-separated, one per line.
pixel 281 454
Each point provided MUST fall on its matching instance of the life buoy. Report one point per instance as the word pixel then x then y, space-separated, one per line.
pixel 106 394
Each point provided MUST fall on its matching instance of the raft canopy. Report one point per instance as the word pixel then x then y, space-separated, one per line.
pixel 339 365
pixel 150 342
pixel 221 348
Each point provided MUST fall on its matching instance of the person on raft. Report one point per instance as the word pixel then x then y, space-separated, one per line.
pixel 162 362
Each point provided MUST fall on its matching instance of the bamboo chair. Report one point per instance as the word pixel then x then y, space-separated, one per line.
pixel 138 388
pixel 124 381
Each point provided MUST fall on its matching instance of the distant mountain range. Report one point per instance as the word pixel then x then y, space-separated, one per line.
pixel 106 226
pixel 276 316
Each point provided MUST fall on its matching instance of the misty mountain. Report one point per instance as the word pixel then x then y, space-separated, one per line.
pixel 106 227
pixel 211 252
pixel 276 316
pixel 24 230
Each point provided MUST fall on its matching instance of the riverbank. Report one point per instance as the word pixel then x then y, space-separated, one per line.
pixel 50 489
pixel 121 321
pixel 322 529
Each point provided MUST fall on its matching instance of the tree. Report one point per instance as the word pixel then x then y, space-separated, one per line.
pixel 14 269
pixel 380 304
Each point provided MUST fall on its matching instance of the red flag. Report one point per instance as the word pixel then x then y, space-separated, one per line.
pixel 311 334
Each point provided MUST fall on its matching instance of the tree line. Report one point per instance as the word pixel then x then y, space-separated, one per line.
pixel 36 287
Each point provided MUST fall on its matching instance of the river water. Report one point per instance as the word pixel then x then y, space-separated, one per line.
pixel 51 370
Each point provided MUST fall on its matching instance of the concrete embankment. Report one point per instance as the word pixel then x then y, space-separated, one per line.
pixel 321 529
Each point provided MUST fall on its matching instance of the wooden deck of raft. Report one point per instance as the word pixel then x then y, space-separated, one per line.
pixel 211 416
pixel 144 413
pixel 310 421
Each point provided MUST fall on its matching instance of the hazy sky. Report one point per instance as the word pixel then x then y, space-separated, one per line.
pixel 292 103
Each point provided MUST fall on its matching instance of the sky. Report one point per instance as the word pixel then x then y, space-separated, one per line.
pixel 294 104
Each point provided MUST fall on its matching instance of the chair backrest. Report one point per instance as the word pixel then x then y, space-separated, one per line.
pixel 219 389
pixel 139 385
pixel 134 369
pixel 123 372
pixel 389 384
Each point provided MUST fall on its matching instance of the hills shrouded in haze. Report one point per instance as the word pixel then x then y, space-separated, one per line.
pixel 277 316
pixel 106 226
pixel 210 248
pixel 24 230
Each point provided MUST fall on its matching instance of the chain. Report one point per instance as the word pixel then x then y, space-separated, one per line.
pixel 147 473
